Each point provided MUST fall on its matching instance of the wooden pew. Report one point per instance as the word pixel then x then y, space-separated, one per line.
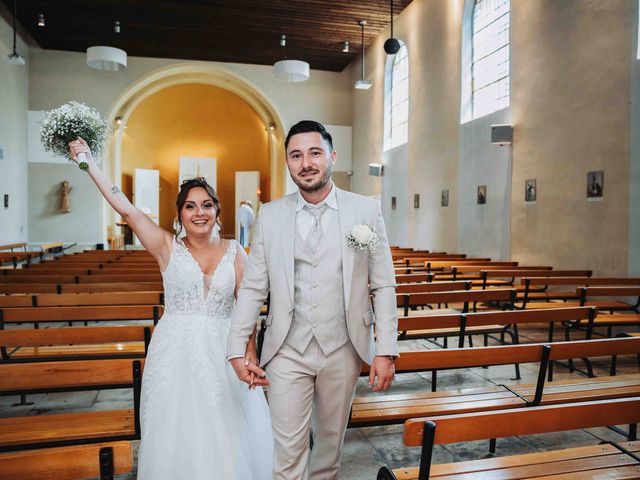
pixel 13 246
pixel 593 463
pixel 26 288
pixel 512 274
pixel 585 293
pixel 54 271
pixel 473 272
pixel 53 279
pixel 35 288
pixel 491 322
pixel 17 257
pixel 52 248
pixel 112 287
pixel 584 281
pixel 77 462
pixel 74 343
pixel 82 299
pixel 117 313
pixel 395 408
pixel 391 409
pixel 61 279
pixel 52 430
pixel 466 297
pixel 414 278
pixel 432 287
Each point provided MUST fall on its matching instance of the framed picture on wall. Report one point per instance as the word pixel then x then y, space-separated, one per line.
pixel 416 200
pixel 482 194
pixel 444 198
pixel 595 185
pixel 393 203
pixel 530 191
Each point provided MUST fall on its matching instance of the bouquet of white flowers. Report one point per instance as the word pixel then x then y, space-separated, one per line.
pixel 70 121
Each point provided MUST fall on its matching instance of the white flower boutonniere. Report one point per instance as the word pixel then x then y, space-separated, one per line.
pixel 362 238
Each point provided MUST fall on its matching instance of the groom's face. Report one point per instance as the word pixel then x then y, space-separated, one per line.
pixel 310 161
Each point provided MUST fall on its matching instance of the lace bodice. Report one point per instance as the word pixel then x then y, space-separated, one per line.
pixel 187 290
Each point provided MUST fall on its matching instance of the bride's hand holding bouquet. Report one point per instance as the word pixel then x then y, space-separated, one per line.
pixel 69 122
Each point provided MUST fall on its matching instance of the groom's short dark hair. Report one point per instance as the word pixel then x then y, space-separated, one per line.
pixel 306 126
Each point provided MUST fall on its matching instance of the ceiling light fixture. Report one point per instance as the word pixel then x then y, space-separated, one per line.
pixel 392 45
pixel 41 20
pixel 290 71
pixel 14 58
pixel 105 58
pixel 361 83
pixel 345 47
pixel 109 59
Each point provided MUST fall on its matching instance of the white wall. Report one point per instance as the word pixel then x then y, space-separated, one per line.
pixel 428 163
pixel 58 77
pixel 46 223
pixel 571 91
pixel 14 103
pixel 484 230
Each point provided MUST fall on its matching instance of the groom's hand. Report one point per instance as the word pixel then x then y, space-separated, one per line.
pixel 383 368
pixel 249 373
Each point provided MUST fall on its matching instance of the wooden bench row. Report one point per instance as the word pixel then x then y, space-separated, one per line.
pixel 62 429
pixel 593 462
pixel 97 278
pixel 396 408
pixel 37 315
pixel 82 299
pixel 74 343
pixel 64 288
pixel 103 460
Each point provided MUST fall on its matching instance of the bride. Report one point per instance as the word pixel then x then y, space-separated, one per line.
pixel 198 420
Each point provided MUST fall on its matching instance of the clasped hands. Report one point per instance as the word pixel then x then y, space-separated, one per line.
pixel 248 370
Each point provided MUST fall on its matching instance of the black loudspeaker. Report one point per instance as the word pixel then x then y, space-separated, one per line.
pixel 501 134
pixel 100 246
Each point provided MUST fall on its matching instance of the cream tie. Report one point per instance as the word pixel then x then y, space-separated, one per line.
pixel 313 239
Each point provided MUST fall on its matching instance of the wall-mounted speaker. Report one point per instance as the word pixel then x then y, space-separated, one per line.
pixel 501 134
pixel 376 169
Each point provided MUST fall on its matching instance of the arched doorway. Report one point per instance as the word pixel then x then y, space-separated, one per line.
pixel 124 106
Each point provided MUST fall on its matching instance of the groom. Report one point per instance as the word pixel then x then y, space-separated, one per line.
pixel 320 325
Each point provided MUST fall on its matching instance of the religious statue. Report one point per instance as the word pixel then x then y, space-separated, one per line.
pixel 65 201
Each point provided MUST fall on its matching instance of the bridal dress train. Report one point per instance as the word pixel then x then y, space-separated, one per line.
pixel 198 420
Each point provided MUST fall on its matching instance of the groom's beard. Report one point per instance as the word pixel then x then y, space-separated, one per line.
pixel 314 187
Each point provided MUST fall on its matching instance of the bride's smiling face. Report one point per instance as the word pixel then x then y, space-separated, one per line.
pixel 199 212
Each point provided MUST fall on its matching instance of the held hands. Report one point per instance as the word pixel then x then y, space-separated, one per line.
pixel 248 371
pixel 383 368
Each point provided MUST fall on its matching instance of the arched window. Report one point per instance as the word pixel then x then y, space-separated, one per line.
pixel 490 57
pixel 397 101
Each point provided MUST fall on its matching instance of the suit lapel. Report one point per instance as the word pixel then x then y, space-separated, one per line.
pixel 347 219
pixel 287 229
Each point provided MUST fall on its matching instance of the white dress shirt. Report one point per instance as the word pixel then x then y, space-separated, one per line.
pixel 304 218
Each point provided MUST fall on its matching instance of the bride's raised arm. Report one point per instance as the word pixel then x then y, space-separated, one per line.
pixel 156 240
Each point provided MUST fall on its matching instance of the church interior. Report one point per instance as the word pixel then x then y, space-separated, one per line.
pixel 500 137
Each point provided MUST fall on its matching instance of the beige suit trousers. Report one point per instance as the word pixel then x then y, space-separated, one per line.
pixel 310 388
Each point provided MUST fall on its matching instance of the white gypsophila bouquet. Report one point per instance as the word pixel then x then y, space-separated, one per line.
pixel 70 121
pixel 362 238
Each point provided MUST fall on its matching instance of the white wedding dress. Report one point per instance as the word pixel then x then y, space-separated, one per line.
pixel 198 420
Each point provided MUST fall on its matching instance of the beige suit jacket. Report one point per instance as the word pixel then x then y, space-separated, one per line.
pixel 366 276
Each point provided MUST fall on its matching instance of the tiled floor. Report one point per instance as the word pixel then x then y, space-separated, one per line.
pixel 366 449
